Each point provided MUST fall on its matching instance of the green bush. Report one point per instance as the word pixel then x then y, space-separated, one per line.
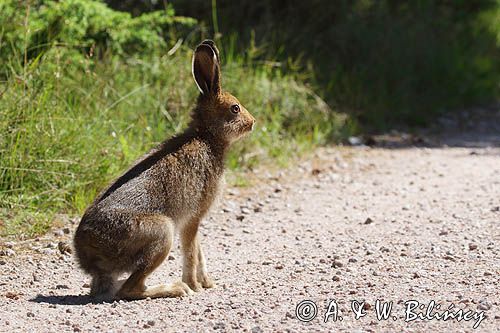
pixel 88 27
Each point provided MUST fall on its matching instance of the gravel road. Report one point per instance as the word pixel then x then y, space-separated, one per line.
pixel 350 223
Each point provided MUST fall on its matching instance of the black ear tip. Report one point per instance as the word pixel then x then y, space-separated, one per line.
pixel 209 42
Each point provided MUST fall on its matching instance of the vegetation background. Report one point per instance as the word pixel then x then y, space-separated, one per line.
pixel 86 87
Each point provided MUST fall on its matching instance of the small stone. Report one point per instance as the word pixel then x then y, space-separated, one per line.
pixel 58 233
pixel 367 306
pixel 171 257
pixel 245 211
pixel 355 141
pixel 257 209
pixel 384 249
pixel 472 246
pixel 30 314
pixel 64 248
pixel 353 260
pixel 443 233
pixel 337 263
pixel 7 253
pixel 484 305
pixel 322 261
pixel 151 322
pixel 240 217
pixel 86 285
pixel 279 266
pixel 9 245
pixel 2 262
pixel 66 230
pixel 336 278
pixel 368 221
pixel 62 286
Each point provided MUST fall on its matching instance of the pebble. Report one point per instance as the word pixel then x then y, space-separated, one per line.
pixel 9 245
pixel 353 260
pixel 7 253
pixel 484 305
pixel 337 263
pixel 58 233
pixel 245 210
pixel 2 262
pixel 64 248
pixel 472 246
pixel 368 221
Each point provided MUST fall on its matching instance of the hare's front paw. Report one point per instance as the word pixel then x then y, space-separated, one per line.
pixel 207 282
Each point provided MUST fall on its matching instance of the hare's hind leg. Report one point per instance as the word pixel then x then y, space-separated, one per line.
pixel 102 286
pixel 156 233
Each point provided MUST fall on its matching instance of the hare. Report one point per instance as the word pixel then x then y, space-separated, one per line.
pixel 130 226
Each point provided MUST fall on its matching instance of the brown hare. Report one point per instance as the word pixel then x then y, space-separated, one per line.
pixel 130 227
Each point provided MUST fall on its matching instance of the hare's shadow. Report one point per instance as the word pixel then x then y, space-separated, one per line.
pixel 65 299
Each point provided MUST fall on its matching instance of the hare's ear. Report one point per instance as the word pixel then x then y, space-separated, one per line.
pixel 206 68
pixel 211 43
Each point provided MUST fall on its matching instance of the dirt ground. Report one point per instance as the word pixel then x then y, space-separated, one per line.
pixel 393 222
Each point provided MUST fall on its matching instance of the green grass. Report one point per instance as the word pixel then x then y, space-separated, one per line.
pixel 70 126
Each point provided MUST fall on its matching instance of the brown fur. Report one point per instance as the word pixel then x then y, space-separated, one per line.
pixel 130 227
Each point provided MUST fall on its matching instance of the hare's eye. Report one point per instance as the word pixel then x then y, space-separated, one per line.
pixel 235 108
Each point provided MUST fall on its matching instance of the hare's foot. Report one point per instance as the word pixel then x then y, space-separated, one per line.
pixel 206 281
pixel 177 289
pixel 192 283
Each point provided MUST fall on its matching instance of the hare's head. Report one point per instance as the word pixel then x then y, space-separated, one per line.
pixel 217 112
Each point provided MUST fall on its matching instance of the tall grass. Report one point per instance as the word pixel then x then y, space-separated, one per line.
pixel 385 62
pixel 71 123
